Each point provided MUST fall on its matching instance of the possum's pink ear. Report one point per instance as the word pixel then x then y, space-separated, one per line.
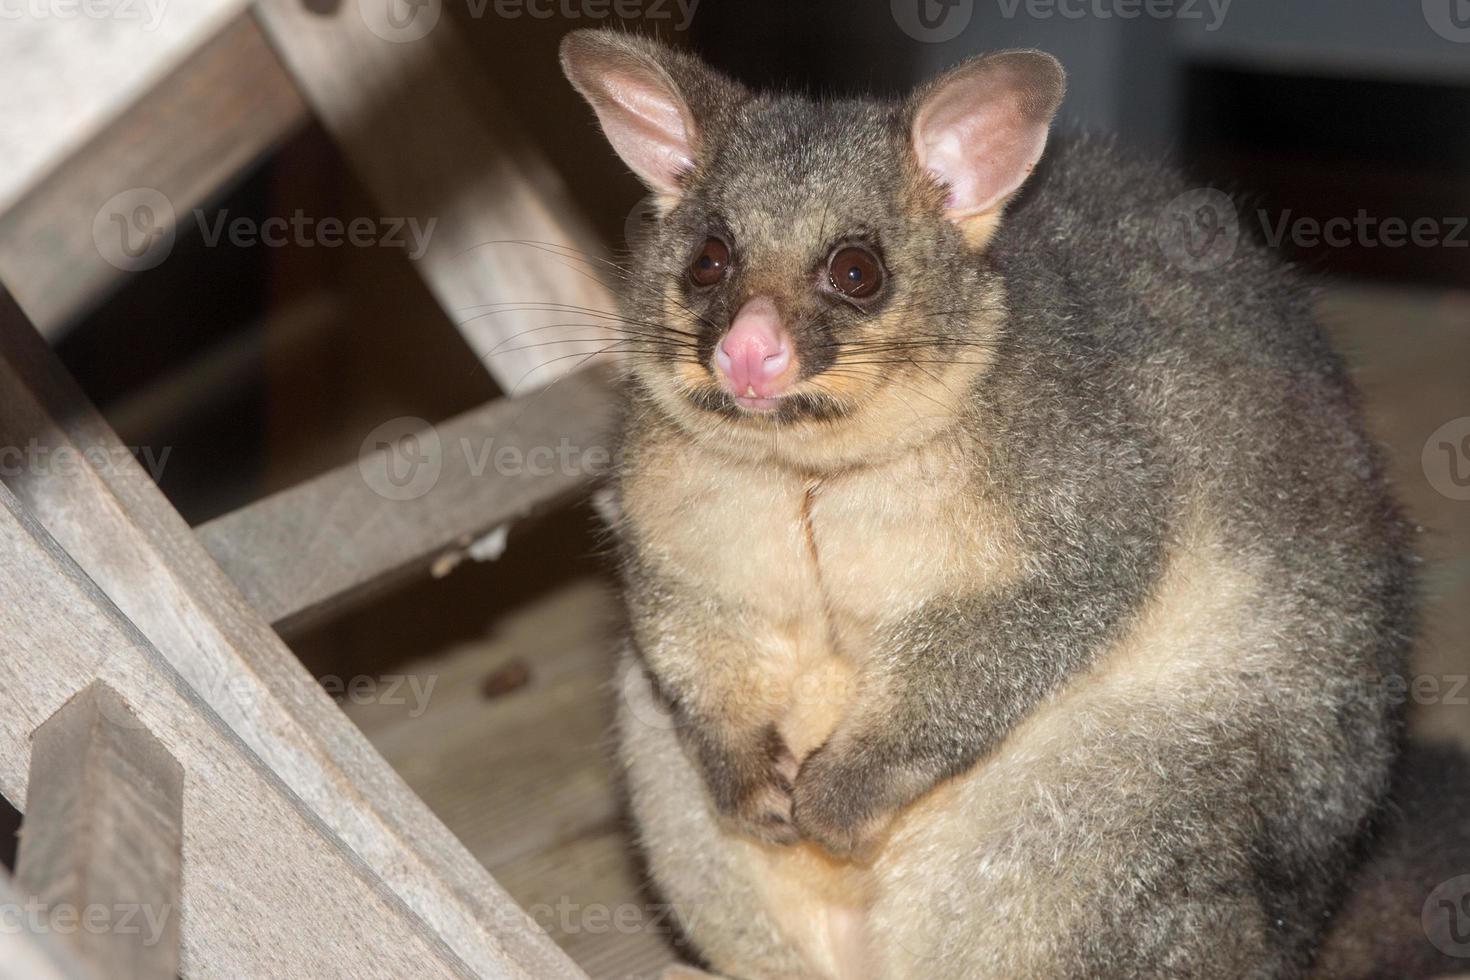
pixel 981 128
pixel 644 112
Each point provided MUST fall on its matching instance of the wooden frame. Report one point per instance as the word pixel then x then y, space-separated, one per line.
pixel 296 850
pixel 103 838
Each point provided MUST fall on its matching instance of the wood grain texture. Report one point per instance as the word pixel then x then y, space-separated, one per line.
pixel 508 258
pixel 528 780
pixel 28 950
pixel 102 840
pixel 305 551
pixel 268 891
pixel 89 493
pixel 187 137
pixel 66 72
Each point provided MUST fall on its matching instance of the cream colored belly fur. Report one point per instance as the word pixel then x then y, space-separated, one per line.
pixel 971 878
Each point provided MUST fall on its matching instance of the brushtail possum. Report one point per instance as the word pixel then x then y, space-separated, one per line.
pixel 1005 599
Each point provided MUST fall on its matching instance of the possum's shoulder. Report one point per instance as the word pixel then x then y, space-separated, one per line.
pixel 1087 249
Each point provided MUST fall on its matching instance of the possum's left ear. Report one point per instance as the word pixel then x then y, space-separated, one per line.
pixel 980 128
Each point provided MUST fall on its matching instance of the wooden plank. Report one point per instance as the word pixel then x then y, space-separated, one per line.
pixel 88 491
pixel 102 841
pixel 67 70
pixel 415 504
pixel 466 755
pixel 268 891
pixel 62 249
pixel 547 823
pixel 505 236
pixel 27 949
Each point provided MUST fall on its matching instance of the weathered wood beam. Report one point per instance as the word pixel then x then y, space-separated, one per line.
pixel 427 138
pixel 415 499
pixel 85 488
pixel 28 950
pixel 268 889
pixel 102 841
pixel 67 243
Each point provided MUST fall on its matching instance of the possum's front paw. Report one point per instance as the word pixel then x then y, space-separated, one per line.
pixel 752 787
pixel 838 802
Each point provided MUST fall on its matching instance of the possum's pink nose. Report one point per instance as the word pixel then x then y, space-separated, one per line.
pixel 754 358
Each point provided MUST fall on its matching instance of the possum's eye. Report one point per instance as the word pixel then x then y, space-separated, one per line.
pixel 855 271
pixel 710 263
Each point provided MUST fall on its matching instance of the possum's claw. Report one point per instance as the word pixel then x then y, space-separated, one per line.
pixel 752 790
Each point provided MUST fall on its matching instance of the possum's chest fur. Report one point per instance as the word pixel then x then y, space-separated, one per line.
pixel 815 568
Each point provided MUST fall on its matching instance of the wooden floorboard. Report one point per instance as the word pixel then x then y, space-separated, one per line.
pixel 525 778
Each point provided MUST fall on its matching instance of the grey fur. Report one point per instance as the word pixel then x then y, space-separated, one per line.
pixel 1123 399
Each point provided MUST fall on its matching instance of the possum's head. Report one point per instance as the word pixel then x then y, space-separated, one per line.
pixel 816 269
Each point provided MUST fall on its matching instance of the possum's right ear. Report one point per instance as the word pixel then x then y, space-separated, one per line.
pixel 651 101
